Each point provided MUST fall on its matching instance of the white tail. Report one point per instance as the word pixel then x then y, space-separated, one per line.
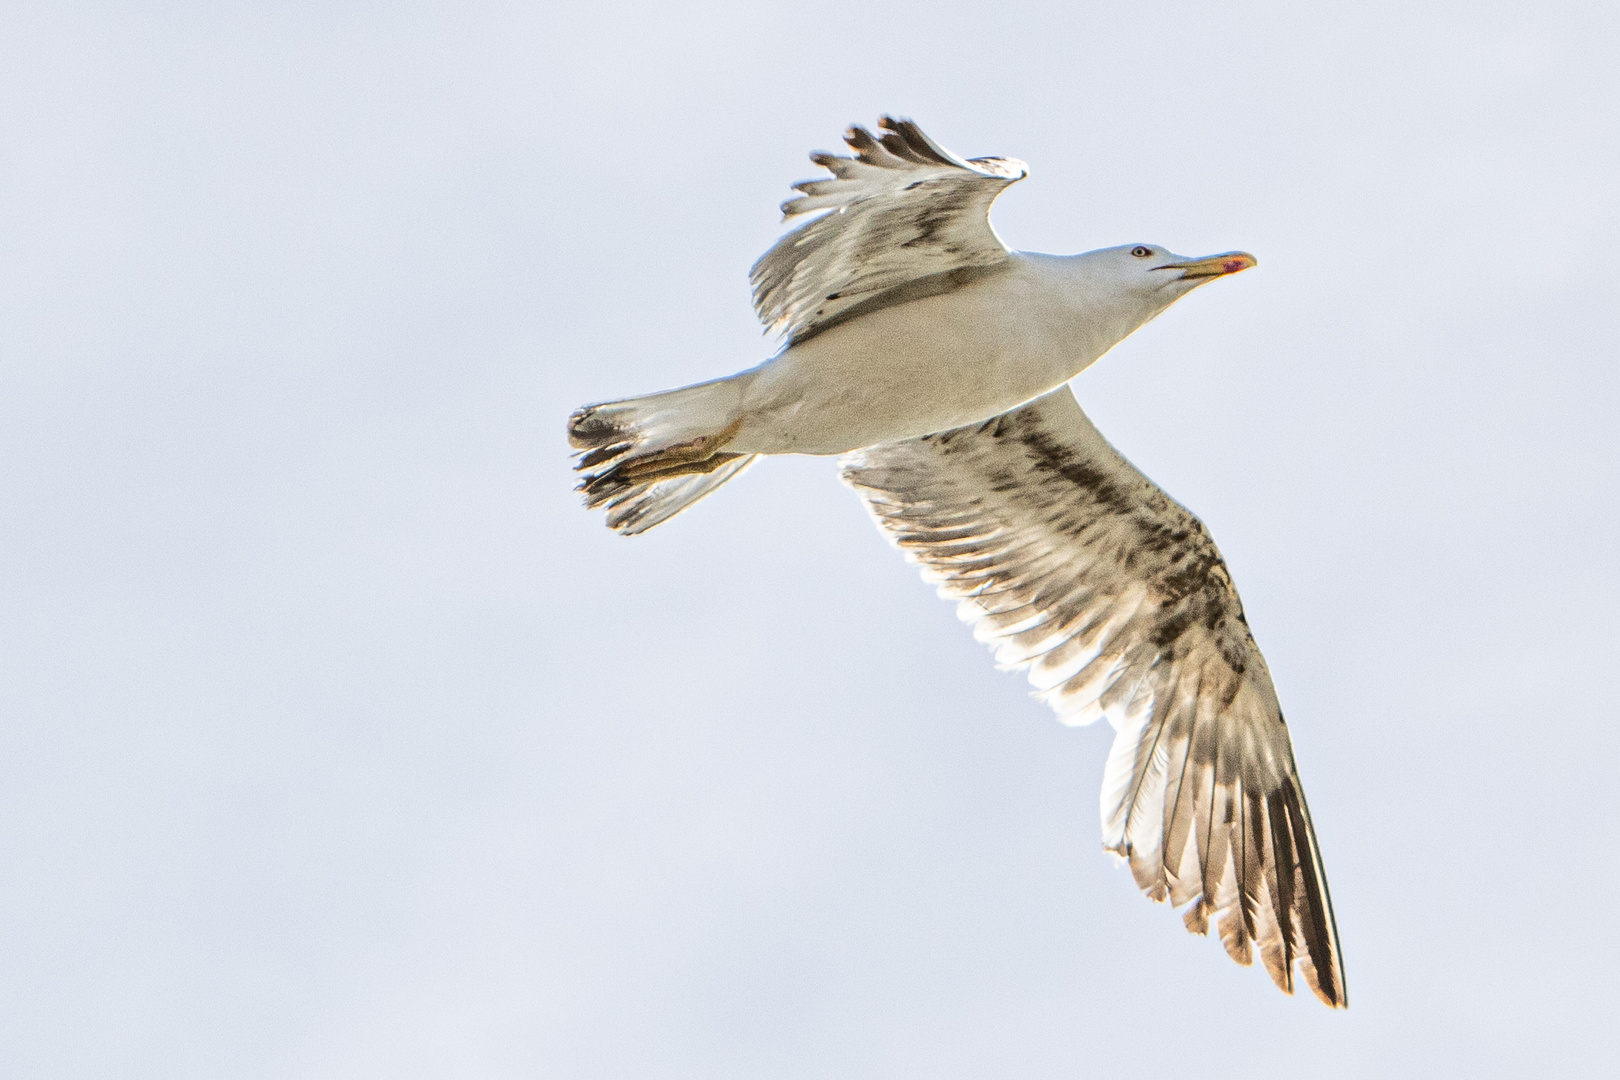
pixel 646 459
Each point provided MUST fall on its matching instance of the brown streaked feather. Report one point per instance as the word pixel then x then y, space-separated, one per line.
pixel 1073 565
pixel 906 216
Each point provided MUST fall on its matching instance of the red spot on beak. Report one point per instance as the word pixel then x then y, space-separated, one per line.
pixel 1232 266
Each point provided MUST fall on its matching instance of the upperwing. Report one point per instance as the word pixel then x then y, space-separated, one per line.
pixel 1073 565
pixel 901 209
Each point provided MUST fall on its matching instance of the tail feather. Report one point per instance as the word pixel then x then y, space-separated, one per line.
pixel 646 459
pixel 638 507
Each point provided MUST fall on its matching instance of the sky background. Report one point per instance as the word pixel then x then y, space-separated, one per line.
pixel 337 740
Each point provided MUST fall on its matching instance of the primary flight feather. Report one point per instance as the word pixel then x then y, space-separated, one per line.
pixel 935 359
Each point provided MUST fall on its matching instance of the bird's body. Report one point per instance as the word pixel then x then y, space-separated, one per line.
pixel 935 359
pixel 938 362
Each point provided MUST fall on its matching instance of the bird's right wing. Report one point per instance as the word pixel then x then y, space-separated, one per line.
pixel 1075 566
pixel 902 209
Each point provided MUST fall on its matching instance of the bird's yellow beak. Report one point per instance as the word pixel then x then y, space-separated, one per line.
pixel 1214 266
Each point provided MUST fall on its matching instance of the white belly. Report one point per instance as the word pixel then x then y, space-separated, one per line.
pixel 927 365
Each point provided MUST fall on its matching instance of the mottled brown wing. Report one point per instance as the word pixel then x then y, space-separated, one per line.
pixel 1076 567
pixel 900 209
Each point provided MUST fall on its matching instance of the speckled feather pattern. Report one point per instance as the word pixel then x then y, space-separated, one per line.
pixel 900 209
pixel 1075 567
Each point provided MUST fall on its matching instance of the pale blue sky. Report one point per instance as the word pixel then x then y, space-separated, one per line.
pixel 336 740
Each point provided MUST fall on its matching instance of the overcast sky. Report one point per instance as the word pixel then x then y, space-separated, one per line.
pixel 337 740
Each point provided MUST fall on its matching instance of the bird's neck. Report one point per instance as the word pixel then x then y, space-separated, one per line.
pixel 1100 309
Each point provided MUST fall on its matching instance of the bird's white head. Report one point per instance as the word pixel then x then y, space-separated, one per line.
pixel 1118 289
pixel 1153 270
pixel 1129 285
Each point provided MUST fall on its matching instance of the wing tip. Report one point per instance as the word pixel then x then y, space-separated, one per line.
pixel 903 142
pixel 1241 944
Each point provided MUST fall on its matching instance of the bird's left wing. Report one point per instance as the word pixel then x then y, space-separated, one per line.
pixel 902 212
pixel 1074 565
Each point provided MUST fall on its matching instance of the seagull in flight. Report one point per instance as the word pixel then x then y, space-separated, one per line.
pixel 937 361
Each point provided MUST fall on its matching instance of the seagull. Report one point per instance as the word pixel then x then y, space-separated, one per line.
pixel 937 361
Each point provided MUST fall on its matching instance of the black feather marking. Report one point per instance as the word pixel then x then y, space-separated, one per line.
pixel 1286 866
pixel 918 147
pixel 1035 521
pixel 1321 930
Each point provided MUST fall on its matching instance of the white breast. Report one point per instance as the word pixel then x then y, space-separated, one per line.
pixel 934 363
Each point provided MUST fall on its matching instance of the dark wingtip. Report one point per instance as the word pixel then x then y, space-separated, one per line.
pixel 860 140
pixel 909 141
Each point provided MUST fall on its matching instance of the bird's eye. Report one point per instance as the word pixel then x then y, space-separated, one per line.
pixel 1141 252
